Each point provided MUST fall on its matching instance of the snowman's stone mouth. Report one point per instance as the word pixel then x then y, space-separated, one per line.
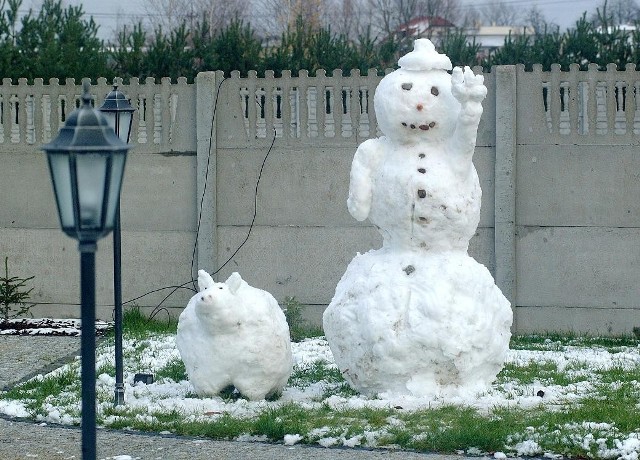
pixel 423 127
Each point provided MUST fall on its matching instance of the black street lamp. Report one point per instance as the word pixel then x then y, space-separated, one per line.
pixel 119 113
pixel 86 161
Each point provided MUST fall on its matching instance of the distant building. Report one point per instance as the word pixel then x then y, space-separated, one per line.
pixel 432 27
pixel 621 27
pixel 491 38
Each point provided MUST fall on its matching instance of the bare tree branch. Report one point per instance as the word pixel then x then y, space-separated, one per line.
pixel 169 14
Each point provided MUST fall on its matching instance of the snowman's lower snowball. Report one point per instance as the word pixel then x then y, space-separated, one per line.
pixel 420 323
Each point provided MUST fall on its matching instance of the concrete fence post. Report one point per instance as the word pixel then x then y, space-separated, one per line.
pixel 505 181
pixel 206 93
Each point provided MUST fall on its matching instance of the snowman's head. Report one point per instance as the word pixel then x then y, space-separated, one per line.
pixel 414 103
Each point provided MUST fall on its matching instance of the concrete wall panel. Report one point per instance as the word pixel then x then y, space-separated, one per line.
pixel 54 260
pixel 484 161
pixel 150 260
pixel 590 321
pixel 159 192
pixel 26 192
pixel 296 188
pixel 578 186
pixel 308 262
pixel 306 187
pixel 482 248
pixel 578 267
pixel 577 216
pixel 303 262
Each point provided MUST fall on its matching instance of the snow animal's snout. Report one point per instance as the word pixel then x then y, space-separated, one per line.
pixel 209 296
pixel 217 294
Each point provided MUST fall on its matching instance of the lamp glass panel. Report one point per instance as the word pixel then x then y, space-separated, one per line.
pixel 61 175
pixel 117 171
pixel 124 126
pixel 111 119
pixel 91 171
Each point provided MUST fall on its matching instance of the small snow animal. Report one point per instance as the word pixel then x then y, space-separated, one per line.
pixel 234 334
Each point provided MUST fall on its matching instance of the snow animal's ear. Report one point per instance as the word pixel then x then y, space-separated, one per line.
pixel 234 282
pixel 204 280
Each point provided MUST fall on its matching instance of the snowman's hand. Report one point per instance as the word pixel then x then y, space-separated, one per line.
pixel 469 90
pixel 467 87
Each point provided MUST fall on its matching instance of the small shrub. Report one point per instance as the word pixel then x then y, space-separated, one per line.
pixel 298 327
pixel 14 294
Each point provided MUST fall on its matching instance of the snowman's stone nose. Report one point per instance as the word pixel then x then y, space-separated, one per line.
pixel 419 107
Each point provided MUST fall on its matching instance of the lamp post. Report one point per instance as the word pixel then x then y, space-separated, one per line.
pixel 86 162
pixel 119 113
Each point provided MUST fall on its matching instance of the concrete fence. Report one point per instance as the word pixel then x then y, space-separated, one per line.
pixel 251 175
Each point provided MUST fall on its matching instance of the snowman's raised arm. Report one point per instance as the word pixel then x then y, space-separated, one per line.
pixel 470 91
pixel 364 164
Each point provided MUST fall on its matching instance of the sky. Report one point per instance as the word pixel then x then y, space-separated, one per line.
pixel 564 13
pixel 109 14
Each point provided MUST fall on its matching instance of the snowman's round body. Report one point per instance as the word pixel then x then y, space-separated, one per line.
pixel 420 202
pixel 420 316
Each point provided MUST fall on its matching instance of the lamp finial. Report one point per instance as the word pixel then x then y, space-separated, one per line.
pixel 86 94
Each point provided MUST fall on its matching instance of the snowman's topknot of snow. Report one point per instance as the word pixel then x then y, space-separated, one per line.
pixel 424 57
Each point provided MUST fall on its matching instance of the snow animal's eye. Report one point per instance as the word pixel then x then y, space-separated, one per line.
pixel 434 91
pixel 407 86
pixel 220 287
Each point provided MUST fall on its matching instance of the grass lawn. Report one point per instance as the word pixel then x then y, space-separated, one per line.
pixel 556 396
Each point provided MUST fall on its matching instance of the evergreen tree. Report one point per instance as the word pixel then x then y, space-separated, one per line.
pixel 128 54
pixel 14 295
pixel 460 51
pixel 169 56
pixel 236 47
pixel 58 43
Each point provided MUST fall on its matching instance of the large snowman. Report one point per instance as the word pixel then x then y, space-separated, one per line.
pixel 420 316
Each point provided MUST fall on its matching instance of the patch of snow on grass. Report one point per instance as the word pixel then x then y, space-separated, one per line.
pixel 13 408
pixel 292 439
pixel 528 448
pixel 145 402
pixel 328 442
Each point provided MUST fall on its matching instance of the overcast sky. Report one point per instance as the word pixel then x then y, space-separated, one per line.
pixel 564 13
pixel 110 13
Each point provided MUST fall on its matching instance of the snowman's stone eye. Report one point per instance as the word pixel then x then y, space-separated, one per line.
pixel 407 86
pixel 434 91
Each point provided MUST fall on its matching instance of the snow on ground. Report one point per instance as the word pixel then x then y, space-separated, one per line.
pixel 47 326
pixel 165 395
